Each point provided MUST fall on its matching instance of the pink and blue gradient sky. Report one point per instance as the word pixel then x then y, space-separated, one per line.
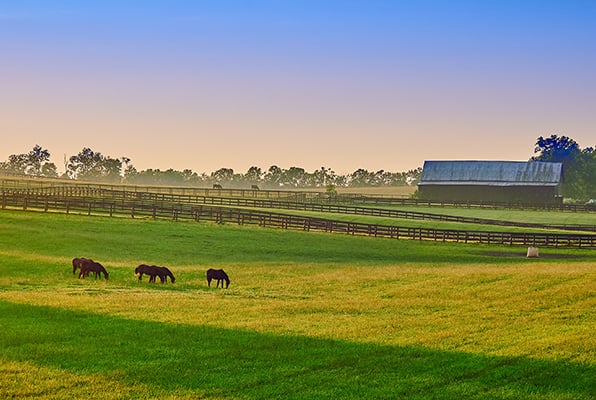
pixel 344 84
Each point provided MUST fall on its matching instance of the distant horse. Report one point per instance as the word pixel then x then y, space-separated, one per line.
pixel 254 187
pixel 165 274
pixel 217 186
pixel 76 263
pixel 154 271
pixel 88 266
pixel 219 275
pixel 150 270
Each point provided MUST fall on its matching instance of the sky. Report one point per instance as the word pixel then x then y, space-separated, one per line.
pixel 341 84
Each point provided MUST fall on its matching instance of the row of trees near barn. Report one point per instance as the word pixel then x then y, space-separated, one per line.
pixel 94 166
pixel 579 168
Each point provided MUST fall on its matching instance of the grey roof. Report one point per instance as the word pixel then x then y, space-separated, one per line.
pixel 494 173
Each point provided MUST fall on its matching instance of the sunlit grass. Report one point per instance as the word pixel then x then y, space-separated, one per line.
pixel 306 315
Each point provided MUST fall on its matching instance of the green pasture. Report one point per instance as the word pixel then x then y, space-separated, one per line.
pixel 432 224
pixel 307 315
pixel 554 217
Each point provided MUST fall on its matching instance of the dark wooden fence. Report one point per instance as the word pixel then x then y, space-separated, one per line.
pixel 117 194
pixel 137 208
pixel 82 188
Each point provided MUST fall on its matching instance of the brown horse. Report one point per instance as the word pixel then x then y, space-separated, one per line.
pixel 88 266
pixel 76 263
pixel 167 273
pixel 219 275
pixel 153 271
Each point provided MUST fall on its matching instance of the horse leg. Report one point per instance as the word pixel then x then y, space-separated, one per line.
pixel 209 282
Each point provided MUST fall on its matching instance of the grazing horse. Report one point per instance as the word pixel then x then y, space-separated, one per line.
pixel 154 271
pixel 76 263
pixel 165 273
pixel 254 187
pixel 217 186
pixel 92 266
pixel 219 275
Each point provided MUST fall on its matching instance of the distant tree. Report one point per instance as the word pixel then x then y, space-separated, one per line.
pixel 323 177
pixel 253 176
pixel 34 163
pixel 360 178
pixel 556 149
pixel 223 176
pixel 92 165
pixel 49 170
pixel 293 177
pixel 578 165
pixel 273 176
pixel 412 176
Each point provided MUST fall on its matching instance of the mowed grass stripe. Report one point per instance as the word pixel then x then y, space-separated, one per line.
pixel 217 363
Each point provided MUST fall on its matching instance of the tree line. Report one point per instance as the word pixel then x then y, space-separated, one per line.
pixel 93 166
pixel 579 166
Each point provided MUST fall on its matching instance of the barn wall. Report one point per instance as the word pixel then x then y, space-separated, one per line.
pixel 486 193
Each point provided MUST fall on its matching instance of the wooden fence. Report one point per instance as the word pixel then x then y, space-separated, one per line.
pixel 82 188
pixel 218 214
pixel 174 198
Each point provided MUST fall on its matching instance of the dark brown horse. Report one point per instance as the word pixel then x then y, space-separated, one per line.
pixel 154 271
pixel 167 273
pixel 219 275
pixel 88 266
pixel 76 263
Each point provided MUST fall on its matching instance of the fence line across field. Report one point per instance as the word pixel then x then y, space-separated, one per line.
pixel 219 214
pixel 91 193
pixel 317 195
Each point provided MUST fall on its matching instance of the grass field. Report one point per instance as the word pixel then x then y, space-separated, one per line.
pixel 307 315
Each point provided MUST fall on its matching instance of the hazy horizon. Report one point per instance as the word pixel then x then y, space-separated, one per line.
pixel 378 85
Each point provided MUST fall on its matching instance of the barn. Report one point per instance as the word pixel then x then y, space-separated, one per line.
pixel 491 181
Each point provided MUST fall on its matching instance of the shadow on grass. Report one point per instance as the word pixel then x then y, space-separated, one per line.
pixel 216 362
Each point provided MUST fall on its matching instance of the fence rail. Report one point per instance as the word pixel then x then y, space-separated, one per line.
pixel 174 198
pixel 219 214
pixel 73 187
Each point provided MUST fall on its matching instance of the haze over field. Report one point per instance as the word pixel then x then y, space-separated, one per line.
pixel 342 84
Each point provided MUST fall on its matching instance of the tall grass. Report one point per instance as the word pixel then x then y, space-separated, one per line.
pixel 307 315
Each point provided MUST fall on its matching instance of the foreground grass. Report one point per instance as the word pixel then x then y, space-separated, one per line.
pixel 306 316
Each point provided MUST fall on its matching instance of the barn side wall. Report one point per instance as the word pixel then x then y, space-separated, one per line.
pixel 487 193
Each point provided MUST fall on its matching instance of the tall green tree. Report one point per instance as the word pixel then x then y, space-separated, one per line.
pixel 578 165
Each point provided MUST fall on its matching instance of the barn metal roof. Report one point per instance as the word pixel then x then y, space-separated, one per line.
pixel 493 173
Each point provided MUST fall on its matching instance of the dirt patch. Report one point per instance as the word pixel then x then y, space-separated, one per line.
pixel 524 255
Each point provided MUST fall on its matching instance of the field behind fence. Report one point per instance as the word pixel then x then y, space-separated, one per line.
pixel 228 210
